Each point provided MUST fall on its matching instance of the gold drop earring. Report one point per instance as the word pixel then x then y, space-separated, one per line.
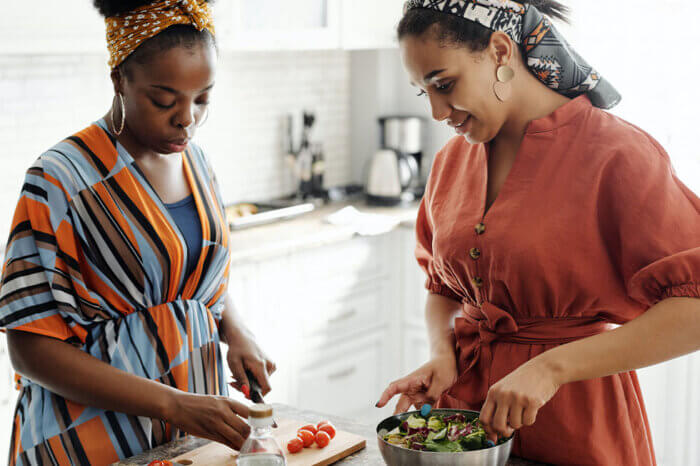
pixel 502 87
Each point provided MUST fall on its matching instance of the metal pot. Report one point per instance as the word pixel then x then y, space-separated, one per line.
pixel 397 456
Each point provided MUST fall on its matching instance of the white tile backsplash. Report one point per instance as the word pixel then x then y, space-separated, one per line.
pixel 46 98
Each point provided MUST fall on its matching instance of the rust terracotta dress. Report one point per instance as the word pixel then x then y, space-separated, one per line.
pixel 590 229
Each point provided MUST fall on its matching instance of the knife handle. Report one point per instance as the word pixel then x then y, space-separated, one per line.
pixel 255 389
pixel 256 392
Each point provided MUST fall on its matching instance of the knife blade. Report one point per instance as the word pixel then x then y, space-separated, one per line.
pixel 256 392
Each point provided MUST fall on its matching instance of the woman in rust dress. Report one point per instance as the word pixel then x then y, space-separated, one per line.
pixel 561 250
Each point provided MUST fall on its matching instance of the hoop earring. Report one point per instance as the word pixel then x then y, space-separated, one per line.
pixel 502 87
pixel 123 111
pixel 206 117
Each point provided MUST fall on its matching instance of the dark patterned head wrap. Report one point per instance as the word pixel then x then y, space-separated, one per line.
pixel 549 55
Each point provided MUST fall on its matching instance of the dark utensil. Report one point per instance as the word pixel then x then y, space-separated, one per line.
pixel 256 392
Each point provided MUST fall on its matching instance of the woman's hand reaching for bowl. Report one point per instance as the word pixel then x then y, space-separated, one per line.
pixel 424 385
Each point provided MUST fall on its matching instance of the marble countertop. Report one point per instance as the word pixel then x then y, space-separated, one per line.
pixel 304 232
pixel 368 456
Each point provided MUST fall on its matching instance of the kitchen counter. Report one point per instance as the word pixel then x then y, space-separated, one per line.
pixel 369 456
pixel 305 232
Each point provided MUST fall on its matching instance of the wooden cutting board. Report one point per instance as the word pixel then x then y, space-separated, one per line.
pixel 344 444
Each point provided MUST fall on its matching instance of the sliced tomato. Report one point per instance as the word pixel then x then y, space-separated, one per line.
pixel 328 428
pixel 322 439
pixel 306 436
pixel 295 445
pixel 310 427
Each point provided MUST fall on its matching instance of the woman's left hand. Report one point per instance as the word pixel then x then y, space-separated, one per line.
pixel 244 353
pixel 513 401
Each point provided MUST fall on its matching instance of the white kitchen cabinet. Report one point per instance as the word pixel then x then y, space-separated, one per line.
pixel 370 24
pixel 65 27
pixel 70 27
pixel 345 379
pixel 8 395
pixel 414 295
pixel 329 318
pixel 309 24
pixel 341 321
pixel 74 26
pixel 415 349
pixel 284 25
pixel 259 292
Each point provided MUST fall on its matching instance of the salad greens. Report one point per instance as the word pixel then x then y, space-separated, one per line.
pixel 440 433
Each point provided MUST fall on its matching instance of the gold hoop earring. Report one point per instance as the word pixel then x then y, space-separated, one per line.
pixel 123 111
pixel 206 117
pixel 502 87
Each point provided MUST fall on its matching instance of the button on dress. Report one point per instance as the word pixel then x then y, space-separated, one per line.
pixel 590 229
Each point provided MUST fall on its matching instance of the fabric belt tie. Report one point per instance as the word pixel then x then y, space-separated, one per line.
pixel 478 328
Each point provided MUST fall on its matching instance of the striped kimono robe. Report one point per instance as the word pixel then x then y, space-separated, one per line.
pixel 94 259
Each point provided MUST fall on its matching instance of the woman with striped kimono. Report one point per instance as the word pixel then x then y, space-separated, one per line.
pixel 114 285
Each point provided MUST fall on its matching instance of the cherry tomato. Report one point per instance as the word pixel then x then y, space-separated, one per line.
pixel 306 436
pixel 318 426
pixel 329 429
pixel 295 445
pixel 160 463
pixel 323 439
pixel 311 428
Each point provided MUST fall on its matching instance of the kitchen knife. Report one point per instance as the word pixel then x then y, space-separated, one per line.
pixel 256 392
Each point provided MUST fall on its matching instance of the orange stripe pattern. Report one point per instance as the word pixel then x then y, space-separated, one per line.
pixel 95 259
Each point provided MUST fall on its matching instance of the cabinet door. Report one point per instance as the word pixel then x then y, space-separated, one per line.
pixel 414 294
pixel 66 26
pixel 8 395
pixel 415 349
pixel 344 380
pixel 285 25
pixel 370 24
pixel 256 290
pixel 363 310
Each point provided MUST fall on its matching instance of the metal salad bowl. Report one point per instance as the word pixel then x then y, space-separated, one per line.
pixel 398 456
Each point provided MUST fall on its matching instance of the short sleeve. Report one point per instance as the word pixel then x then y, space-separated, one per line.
pixel 424 250
pixel 36 291
pixel 650 222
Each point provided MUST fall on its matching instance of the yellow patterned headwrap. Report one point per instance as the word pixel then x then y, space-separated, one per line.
pixel 126 31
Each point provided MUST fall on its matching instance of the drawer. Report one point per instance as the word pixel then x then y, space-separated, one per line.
pixel 359 257
pixel 348 314
pixel 345 380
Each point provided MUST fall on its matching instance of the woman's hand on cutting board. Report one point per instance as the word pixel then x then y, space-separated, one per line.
pixel 216 418
pixel 424 385
pixel 513 401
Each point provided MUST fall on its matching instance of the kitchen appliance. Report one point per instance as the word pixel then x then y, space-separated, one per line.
pixel 394 175
pixel 305 157
pixel 394 455
pixel 343 444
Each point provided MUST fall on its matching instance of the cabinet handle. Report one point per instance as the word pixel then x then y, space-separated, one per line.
pixel 343 374
pixel 344 316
